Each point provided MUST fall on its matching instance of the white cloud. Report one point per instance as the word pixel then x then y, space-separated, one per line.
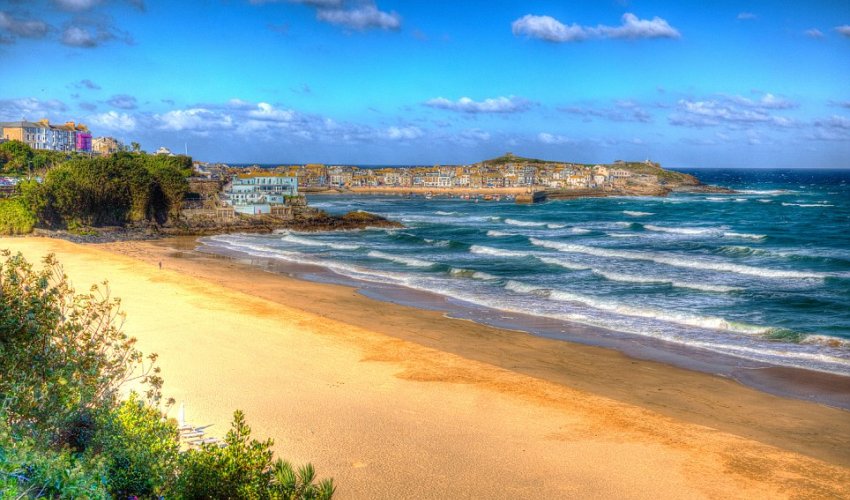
pixel 475 135
pixel 834 128
pixel 194 120
pixel 623 111
pixel 361 17
pixel 112 120
pixel 734 111
pixel 634 28
pixel 29 108
pixel 814 33
pixel 265 111
pixel 403 133
pixel 843 30
pixel 77 4
pixel 311 3
pixel 78 36
pixel 547 138
pixel 767 101
pixel 550 29
pixel 510 104
pixel 123 101
pixel 746 16
pixel 27 28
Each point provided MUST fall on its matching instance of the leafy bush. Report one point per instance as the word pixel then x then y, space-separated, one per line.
pixel 139 449
pixel 26 470
pixel 116 190
pixel 243 468
pixel 18 158
pixel 62 355
pixel 15 217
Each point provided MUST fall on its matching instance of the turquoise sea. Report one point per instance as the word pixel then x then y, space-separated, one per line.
pixel 762 275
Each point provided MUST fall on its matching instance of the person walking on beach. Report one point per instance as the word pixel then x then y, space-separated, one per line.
pixel 160 265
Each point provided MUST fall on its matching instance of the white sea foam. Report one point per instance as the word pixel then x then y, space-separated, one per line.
pixel 680 230
pixel 478 275
pixel 631 278
pixel 437 243
pixel 407 261
pixel 768 192
pixel 763 200
pixel 747 236
pixel 556 226
pixel 523 223
pixel 634 213
pixel 315 243
pixel 519 287
pixel 677 261
pixel 440 212
pixel 579 230
pixel 784 204
pixel 814 352
pixel 826 340
pixel 668 316
pixel 499 234
pixel 623 235
pixel 564 263
pixel 498 252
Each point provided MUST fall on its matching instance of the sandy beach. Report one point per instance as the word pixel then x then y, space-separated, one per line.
pixel 397 402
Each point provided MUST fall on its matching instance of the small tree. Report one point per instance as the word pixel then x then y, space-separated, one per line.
pixel 62 355
pixel 138 448
pixel 243 468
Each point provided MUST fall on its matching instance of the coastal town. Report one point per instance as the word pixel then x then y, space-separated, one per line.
pixel 506 172
pixel 275 190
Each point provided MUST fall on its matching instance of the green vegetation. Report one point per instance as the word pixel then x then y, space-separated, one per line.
pixel 78 192
pixel 244 469
pixel 65 432
pixel 16 158
pixel 123 188
pixel 15 217
pixel 663 175
pixel 510 158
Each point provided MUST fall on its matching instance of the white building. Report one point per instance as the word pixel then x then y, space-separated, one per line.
pixel 255 194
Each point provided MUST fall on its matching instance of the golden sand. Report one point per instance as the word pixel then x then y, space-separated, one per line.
pixel 396 402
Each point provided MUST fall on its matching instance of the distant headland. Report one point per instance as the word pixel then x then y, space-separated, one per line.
pixel 507 176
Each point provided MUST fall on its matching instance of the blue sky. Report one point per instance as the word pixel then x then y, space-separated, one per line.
pixel 689 84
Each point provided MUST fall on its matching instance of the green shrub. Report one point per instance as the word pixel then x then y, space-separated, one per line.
pixel 27 471
pixel 15 217
pixel 64 433
pixel 62 354
pixel 139 449
pixel 243 468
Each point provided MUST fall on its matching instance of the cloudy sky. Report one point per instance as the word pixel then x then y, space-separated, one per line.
pixel 690 84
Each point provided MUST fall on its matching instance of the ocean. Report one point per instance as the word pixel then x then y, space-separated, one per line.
pixel 761 276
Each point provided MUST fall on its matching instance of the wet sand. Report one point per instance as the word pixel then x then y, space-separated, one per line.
pixel 399 402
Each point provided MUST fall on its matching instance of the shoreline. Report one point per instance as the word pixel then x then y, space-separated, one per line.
pixel 539 348
pixel 361 398
pixel 820 387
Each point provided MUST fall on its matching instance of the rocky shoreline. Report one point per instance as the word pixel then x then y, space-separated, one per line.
pixel 258 224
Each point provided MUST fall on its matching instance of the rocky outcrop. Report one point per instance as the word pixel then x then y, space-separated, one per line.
pixel 319 221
